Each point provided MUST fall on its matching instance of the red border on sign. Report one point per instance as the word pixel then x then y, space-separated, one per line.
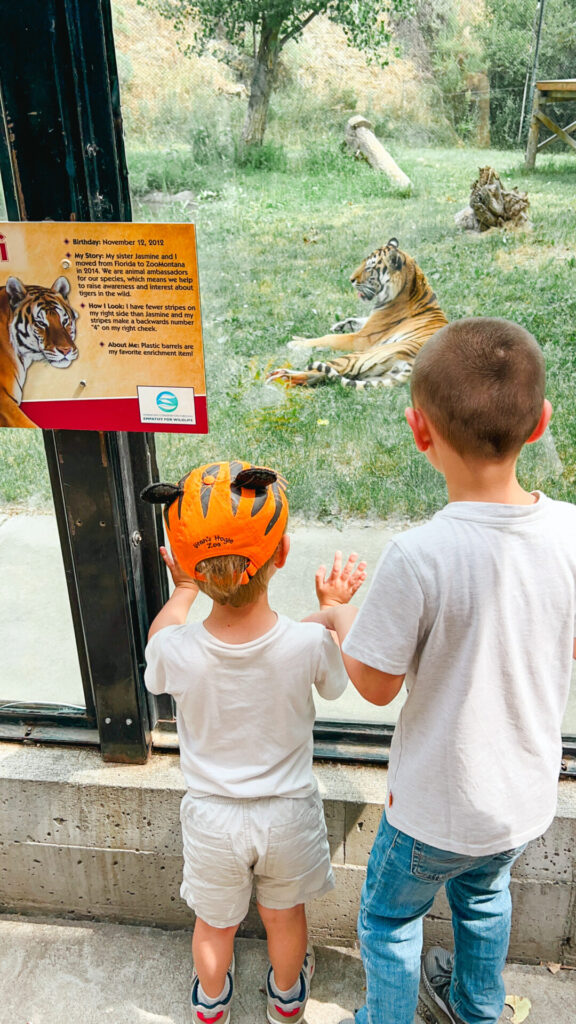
pixel 108 414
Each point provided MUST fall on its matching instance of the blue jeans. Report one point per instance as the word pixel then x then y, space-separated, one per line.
pixel 403 877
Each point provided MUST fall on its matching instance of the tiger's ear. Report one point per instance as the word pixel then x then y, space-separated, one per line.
pixel 161 494
pixel 395 259
pixel 393 242
pixel 16 291
pixel 62 286
pixel 256 477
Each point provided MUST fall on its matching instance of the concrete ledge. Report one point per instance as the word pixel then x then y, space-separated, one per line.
pixel 90 840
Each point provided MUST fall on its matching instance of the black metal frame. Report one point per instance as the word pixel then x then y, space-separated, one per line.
pixel 62 158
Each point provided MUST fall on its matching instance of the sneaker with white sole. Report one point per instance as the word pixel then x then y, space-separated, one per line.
pixel 437 967
pixel 291 1010
pixel 211 1013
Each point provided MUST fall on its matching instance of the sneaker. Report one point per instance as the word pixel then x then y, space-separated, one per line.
pixel 213 1013
pixel 437 968
pixel 291 1010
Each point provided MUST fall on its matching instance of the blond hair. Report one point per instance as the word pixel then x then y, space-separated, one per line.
pixel 481 381
pixel 223 574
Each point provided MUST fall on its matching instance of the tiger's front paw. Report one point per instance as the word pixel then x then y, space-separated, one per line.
pixel 347 326
pixel 287 376
pixel 299 343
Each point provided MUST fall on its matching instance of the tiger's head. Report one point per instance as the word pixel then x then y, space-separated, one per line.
pixel 42 323
pixel 383 274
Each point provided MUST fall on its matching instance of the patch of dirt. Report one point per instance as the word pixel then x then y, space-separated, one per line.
pixel 533 255
pixel 325 63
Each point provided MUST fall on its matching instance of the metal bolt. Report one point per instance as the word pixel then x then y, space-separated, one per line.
pixel 128 721
pixel 136 538
pixel 107 721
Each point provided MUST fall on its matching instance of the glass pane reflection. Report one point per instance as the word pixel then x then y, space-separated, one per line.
pixel 39 661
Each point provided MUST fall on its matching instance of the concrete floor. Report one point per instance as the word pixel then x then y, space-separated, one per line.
pixel 53 971
pixel 39 661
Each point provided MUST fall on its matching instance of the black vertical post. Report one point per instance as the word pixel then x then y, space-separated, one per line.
pixel 63 159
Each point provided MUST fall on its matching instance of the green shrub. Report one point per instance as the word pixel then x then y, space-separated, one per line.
pixel 325 155
pixel 270 156
pixel 154 170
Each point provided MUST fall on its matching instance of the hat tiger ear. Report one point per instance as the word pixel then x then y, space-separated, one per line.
pixel 161 494
pixel 256 478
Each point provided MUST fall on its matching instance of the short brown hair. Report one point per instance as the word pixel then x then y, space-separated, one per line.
pixel 223 574
pixel 481 380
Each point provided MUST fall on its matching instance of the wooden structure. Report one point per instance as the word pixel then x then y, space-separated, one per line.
pixel 559 91
pixel 361 139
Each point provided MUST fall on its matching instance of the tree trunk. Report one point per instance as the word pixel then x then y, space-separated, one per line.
pixel 262 83
pixel 492 205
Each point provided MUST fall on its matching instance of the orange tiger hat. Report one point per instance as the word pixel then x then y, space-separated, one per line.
pixel 223 508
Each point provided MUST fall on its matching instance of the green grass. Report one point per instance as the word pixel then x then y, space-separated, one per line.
pixel 276 246
pixel 263 279
pixel 23 472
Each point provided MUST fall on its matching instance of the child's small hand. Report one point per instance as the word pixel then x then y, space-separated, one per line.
pixel 178 605
pixel 342 583
pixel 176 571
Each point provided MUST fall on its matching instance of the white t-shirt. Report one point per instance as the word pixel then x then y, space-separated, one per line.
pixel 478 607
pixel 245 712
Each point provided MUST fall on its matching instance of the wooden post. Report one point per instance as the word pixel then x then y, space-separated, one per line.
pixel 359 136
pixel 479 85
pixel 532 146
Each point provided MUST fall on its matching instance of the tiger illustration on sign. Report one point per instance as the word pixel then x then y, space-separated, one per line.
pixel 383 346
pixel 35 323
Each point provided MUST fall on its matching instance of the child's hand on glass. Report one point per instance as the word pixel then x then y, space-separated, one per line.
pixel 177 573
pixel 341 583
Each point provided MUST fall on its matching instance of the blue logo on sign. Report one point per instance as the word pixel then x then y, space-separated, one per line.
pixel 166 401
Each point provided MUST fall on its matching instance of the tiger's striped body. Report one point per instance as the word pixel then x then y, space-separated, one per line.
pixel 384 346
pixel 35 323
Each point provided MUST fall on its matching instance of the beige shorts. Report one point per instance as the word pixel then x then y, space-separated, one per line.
pixel 277 843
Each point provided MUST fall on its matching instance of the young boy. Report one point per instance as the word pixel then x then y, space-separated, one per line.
pixel 475 610
pixel 242 681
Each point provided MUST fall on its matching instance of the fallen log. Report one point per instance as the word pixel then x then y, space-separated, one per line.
pixel 361 139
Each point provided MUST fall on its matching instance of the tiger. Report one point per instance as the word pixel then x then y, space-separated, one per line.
pixel 385 344
pixel 35 323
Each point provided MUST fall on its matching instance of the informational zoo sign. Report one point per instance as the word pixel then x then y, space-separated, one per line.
pixel 100 327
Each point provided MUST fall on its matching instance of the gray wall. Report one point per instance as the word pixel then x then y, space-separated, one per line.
pixel 90 840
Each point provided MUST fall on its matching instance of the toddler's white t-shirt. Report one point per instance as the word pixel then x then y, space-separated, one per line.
pixel 245 712
pixel 478 607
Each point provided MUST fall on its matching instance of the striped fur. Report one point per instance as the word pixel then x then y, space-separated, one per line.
pixel 35 323
pixel 383 347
